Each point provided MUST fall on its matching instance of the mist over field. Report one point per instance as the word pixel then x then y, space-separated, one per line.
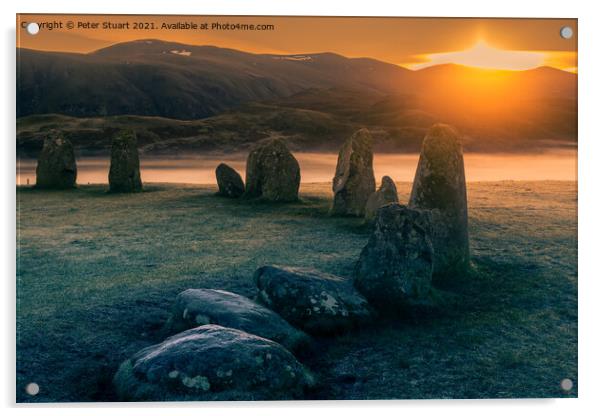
pixel 320 167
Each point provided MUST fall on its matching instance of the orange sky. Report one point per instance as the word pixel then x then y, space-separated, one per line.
pixel 409 42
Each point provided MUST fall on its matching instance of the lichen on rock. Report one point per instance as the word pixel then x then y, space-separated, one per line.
pixel 273 173
pixel 440 187
pixel 194 307
pixel 353 182
pixel 124 173
pixel 396 265
pixel 315 301
pixel 386 194
pixel 211 362
pixel 56 167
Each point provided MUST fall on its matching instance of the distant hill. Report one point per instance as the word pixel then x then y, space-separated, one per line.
pixel 167 79
pixel 182 97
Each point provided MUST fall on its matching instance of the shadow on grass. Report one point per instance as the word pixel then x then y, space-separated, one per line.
pixel 88 190
pixel 366 363
pixel 314 207
pixel 503 329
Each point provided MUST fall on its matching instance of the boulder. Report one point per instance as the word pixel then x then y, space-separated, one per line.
pixel 319 303
pixel 229 182
pixel 124 174
pixel 386 194
pixel 56 164
pixel 440 186
pixel 211 362
pixel 354 182
pixel 272 172
pixel 194 307
pixel 395 267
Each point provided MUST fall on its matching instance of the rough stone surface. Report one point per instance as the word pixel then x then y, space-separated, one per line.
pixel 56 164
pixel 395 268
pixel 272 172
pixel 211 362
pixel 440 186
pixel 124 174
pixel 320 303
pixel 229 182
pixel 354 182
pixel 386 194
pixel 195 307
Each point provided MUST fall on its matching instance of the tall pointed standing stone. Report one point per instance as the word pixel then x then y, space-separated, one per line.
pixel 56 164
pixel 124 174
pixel 440 186
pixel 354 182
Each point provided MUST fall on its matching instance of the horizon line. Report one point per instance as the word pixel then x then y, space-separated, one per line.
pixel 572 70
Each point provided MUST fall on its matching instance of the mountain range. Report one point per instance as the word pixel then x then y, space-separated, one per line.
pixel 222 99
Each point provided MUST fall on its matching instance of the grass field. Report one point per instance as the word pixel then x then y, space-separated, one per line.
pixel 97 273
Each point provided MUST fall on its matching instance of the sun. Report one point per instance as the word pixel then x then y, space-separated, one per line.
pixel 483 55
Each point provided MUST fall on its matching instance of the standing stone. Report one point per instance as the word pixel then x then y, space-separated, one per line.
pixel 124 175
pixel 229 182
pixel 395 268
pixel 272 172
pixel 440 186
pixel 56 164
pixel 386 194
pixel 354 182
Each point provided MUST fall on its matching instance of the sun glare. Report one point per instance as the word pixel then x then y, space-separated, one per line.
pixel 483 55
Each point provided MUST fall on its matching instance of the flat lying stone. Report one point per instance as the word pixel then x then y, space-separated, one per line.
pixel 212 363
pixel 317 302
pixel 194 307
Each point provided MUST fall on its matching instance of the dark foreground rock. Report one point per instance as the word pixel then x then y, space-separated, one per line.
pixel 212 363
pixel 195 307
pixel 124 174
pixel 320 303
pixel 386 194
pixel 440 186
pixel 56 164
pixel 272 172
pixel 395 267
pixel 354 182
pixel 229 182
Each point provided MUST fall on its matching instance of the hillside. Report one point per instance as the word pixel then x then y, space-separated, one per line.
pixel 227 132
pixel 187 98
pixel 312 120
pixel 180 81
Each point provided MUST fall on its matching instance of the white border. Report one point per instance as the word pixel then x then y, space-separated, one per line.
pixel 590 275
